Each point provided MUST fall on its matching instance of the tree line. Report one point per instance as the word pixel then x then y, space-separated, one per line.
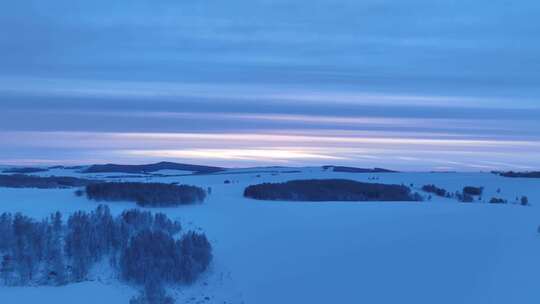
pixel 469 194
pixel 29 181
pixel 533 174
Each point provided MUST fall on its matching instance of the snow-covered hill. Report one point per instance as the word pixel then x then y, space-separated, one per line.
pixel 438 251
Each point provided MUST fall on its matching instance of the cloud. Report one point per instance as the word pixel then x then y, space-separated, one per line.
pixel 398 151
pixel 412 83
pixel 257 155
pixel 389 46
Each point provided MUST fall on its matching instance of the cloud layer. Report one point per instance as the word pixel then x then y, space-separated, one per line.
pixel 417 85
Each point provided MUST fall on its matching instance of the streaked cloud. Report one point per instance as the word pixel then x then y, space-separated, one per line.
pixel 410 85
pixel 270 155
pixel 302 148
pixel 143 90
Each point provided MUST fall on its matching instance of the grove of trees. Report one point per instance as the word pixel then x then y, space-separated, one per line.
pixel 330 190
pixel 146 194
pixel 474 191
pixel 144 248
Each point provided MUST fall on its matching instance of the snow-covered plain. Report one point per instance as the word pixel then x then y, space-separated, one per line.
pixel 438 251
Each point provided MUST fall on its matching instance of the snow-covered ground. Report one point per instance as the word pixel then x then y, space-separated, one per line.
pixel 438 251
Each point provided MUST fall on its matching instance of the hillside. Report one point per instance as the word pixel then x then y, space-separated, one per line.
pixel 149 168
pixel 437 251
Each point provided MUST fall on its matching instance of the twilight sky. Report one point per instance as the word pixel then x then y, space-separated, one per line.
pixel 408 85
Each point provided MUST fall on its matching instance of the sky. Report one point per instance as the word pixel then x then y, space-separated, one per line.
pixel 408 85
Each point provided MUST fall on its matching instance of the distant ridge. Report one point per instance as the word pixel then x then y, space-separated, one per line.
pixel 24 170
pixel 357 170
pixel 111 168
pixel 67 167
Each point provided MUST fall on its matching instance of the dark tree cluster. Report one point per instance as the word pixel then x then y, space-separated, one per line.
pixel 523 201
pixel 153 255
pixel 533 174
pixel 28 181
pixel 330 190
pixel 474 191
pixel 496 200
pixel 435 190
pixel 31 251
pixel 470 194
pixel 146 194
pixel 142 246
pixel 465 197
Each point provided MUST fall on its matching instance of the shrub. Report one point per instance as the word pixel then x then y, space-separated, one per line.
pixel 153 293
pixel 418 197
pixel 497 201
pixel 329 190
pixel 466 198
pixel 435 190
